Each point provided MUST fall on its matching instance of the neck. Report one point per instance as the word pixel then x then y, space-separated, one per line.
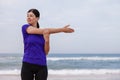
pixel 34 25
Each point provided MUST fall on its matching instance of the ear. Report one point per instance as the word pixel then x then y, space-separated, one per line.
pixel 37 18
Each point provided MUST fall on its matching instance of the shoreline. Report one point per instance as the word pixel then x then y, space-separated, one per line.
pixel 70 77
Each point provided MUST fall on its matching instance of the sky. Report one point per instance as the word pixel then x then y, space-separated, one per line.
pixel 96 24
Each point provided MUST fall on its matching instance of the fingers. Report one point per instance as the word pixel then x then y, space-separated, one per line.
pixel 66 26
pixel 71 30
pixel 68 30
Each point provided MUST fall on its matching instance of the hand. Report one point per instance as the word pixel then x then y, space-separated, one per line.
pixel 46 35
pixel 66 29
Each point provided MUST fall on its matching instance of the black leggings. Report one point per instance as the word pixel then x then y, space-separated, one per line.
pixel 31 71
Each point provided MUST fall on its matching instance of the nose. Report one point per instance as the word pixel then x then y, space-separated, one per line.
pixel 28 17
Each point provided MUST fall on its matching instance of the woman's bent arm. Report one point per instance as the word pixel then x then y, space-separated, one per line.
pixel 47 40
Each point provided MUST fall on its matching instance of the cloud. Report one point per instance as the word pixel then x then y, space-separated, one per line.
pixel 96 23
pixel 8 2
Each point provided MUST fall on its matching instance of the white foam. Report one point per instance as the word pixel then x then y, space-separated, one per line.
pixel 11 72
pixel 67 71
pixel 83 58
pixel 84 71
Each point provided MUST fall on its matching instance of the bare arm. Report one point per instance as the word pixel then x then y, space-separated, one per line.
pixel 47 40
pixel 65 29
pixel 33 30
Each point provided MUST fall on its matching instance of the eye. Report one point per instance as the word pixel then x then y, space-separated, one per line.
pixel 30 15
pixel 27 15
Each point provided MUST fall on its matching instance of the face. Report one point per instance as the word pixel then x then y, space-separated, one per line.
pixel 31 18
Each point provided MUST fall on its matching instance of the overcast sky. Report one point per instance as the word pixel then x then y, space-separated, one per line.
pixel 96 24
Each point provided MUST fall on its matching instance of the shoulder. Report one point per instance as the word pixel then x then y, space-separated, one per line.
pixel 25 26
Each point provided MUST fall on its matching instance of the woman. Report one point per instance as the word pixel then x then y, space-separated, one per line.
pixel 36 47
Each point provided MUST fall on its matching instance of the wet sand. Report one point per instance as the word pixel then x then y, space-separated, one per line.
pixel 70 77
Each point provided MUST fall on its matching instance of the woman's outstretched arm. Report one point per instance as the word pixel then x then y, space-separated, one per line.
pixel 33 30
pixel 65 29
pixel 48 31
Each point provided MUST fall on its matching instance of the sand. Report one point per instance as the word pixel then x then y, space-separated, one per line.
pixel 70 77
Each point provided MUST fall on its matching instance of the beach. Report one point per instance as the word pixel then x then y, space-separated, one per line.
pixel 67 66
pixel 70 77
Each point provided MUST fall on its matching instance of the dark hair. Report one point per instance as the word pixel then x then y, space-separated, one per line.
pixel 36 13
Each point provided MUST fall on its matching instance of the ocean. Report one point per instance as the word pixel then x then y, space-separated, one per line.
pixel 66 64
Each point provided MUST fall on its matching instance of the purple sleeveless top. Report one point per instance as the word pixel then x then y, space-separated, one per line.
pixel 33 47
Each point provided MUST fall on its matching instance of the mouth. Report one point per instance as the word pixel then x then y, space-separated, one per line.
pixel 29 21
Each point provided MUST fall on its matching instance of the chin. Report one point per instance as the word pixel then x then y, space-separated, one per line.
pixel 29 23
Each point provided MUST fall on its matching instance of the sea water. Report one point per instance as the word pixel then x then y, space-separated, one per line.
pixel 66 64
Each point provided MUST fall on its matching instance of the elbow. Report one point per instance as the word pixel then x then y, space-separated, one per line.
pixel 47 52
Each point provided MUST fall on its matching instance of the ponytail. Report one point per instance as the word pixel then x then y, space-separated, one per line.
pixel 38 25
